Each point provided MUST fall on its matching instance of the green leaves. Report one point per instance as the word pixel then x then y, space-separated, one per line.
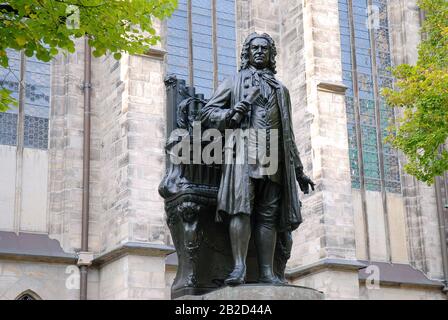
pixel 21 40
pixel 422 93
pixel 44 27
pixel 6 100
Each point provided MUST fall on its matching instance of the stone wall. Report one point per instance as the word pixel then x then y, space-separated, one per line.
pixel 320 124
pixel 401 292
pixel 66 143
pixel 131 110
pixel 134 278
pixel 335 284
pixel 146 127
pixel 257 16
pixel 110 194
pixel 49 281
pixel 127 158
pixel 65 150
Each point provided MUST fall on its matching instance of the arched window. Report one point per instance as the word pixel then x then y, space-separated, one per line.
pixel 28 295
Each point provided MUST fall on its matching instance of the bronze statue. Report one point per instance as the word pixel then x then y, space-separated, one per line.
pixel 243 191
pixel 231 222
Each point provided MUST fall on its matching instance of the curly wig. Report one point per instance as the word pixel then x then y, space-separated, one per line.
pixel 245 53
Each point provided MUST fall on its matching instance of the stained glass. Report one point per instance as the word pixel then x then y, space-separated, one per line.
pixel 391 164
pixel 177 42
pixel 8 128
pixel 226 34
pixel 9 79
pixel 36 104
pixel 36 132
pixel 365 95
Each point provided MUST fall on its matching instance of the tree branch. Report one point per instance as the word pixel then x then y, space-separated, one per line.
pixel 5 7
pixel 80 5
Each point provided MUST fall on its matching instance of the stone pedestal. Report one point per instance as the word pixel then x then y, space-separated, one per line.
pixel 260 292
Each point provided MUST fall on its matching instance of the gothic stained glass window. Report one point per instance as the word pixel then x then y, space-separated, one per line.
pixel 226 38
pixel 9 79
pixel 354 22
pixel 177 41
pixel 202 44
pixel 36 104
pixel 384 62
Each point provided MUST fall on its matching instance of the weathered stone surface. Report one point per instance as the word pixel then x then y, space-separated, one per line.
pixel 48 281
pixel 260 292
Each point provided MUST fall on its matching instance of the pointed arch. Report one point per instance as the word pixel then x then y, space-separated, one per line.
pixel 28 295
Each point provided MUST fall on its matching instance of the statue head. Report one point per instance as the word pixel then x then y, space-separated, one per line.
pixel 259 51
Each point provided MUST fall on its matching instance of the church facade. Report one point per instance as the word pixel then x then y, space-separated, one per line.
pixel 370 231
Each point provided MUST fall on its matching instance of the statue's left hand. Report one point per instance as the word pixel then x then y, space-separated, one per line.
pixel 305 182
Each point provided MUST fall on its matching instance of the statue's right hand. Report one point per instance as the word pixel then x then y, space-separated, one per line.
pixel 237 114
pixel 241 108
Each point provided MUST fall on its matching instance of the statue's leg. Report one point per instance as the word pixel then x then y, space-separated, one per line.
pixel 267 208
pixel 282 254
pixel 265 240
pixel 239 241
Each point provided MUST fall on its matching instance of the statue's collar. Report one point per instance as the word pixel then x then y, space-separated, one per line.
pixel 266 74
pixel 260 71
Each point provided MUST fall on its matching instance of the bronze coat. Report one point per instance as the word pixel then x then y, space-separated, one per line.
pixel 233 195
